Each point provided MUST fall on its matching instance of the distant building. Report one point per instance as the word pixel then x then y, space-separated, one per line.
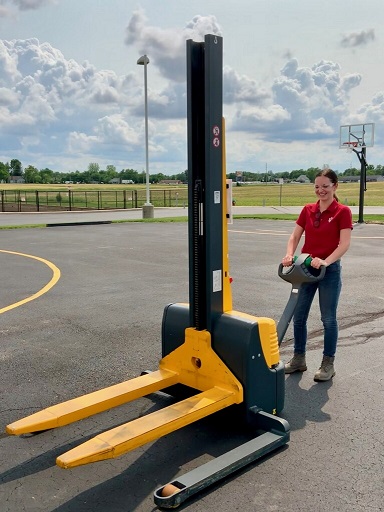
pixel 16 179
pixel 349 179
pixel 374 178
pixel 355 179
pixel 170 182
pixel 303 179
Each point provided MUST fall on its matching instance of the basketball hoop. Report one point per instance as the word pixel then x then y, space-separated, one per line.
pixel 349 146
pixel 357 138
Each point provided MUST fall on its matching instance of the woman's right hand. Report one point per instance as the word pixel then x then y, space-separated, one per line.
pixel 287 261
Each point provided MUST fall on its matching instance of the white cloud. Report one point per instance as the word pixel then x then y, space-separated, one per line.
pixel 169 103
pixel 6 6
pixel 167 46
pixel 84 111
pixel 361 38
pixel 47 89
pixel 372 112
pixel 116 131
pixel 81 143
pixel 241 88
pixel 4 11
pixel 350 81
pixel 307 102
pixel 105 95
pixel 9 73
pixel 24 5
pixel 304 102
pixel 267 118
pixel 8 98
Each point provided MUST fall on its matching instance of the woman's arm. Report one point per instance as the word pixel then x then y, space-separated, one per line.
pixel 293 242
pixel 342 248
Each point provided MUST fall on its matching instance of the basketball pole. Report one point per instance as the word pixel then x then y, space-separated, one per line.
pixel 363 180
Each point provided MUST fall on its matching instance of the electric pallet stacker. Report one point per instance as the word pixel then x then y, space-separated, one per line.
pixel 221 356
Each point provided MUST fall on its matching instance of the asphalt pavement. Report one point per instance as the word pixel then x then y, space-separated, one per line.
pixel 99 323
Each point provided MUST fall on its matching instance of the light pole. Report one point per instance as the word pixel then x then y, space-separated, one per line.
pixel 148 211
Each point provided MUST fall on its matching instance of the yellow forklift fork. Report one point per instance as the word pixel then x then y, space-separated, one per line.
pixel 193 364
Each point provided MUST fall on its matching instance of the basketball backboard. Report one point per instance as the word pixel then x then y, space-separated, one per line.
pixel 357 135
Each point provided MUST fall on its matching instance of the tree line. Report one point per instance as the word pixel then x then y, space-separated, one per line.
pixel 310 173
pixel 94 174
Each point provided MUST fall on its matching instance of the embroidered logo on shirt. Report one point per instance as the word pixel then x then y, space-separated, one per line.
pixel 330 218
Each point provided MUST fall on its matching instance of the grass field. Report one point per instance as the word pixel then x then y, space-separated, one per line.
pixel 244 195
pixel 299 194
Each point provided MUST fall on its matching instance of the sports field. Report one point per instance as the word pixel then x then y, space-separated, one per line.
pixel 271 194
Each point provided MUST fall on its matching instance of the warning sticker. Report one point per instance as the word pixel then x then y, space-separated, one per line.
pixel 216 281
pixel 216 136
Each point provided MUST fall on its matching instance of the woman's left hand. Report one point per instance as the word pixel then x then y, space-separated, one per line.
pixel 318 262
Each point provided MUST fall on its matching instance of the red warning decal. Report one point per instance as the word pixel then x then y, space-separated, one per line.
pixel 216 136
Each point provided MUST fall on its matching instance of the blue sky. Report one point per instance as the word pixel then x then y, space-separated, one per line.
pixel 71 92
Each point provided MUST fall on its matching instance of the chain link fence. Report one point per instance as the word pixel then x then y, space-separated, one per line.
pixel 258 195
pixel 70 200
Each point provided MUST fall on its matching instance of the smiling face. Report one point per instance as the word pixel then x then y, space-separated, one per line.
pixel 325 189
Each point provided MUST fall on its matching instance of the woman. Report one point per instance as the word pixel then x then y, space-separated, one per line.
pixel 327 225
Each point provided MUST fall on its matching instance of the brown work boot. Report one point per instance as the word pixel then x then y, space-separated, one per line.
pixel 326 370
pixel 296 364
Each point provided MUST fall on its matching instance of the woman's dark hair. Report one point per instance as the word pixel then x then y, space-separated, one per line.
pixel 331 175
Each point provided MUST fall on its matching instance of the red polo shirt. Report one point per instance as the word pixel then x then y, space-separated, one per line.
pixel 322 240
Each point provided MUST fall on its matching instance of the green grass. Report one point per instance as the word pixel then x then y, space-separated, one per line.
pixel 24 226
pixel 299 194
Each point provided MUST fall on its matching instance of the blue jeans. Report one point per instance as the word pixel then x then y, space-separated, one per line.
pixel 329 292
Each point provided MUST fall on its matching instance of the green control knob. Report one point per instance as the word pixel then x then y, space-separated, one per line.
pixel 307 261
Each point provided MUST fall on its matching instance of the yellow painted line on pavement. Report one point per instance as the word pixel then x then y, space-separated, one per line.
pixel 45 289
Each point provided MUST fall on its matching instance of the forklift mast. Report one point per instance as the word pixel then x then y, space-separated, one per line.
pixel 206 180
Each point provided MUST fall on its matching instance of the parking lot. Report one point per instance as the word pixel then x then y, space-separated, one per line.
pixel 100 324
